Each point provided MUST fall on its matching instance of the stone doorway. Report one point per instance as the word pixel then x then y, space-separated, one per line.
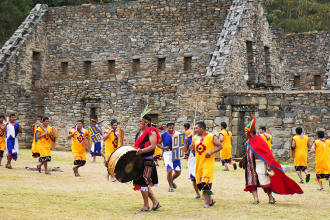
pixel 92 109
pixel 241 117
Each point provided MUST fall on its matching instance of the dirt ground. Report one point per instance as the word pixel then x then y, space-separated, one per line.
pixel 32 195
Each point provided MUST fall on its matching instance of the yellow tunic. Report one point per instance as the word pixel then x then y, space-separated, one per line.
pixel 204 166
pixel 225 153
pixel 158 152
pixel 78 144
pixel 35 148
pixel 111 143
pixel 2 140
pixel 44 143
pixel 269 141
pixel 322 157
pixel 300 157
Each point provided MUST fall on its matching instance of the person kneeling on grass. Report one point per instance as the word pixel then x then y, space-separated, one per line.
pixel 321 150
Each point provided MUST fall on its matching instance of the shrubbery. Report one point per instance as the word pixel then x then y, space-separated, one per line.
pixel 296 16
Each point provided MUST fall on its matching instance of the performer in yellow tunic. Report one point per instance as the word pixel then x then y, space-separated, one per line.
pixel 44 138
pixel 204 146
pixel 301 144
pixel 112 142
pixel 2 137
pixel 321 148
pixel 265 136
pixel 35 148
pixel 79 137
pixel 158 155
pixel 226 137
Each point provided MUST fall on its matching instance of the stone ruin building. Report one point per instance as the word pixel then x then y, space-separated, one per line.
pixel 110 60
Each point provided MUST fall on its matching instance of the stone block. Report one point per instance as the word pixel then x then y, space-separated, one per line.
pixel 182 119
pixel 287 120
pixel 209 123
pixel 218 120
pixel 274 101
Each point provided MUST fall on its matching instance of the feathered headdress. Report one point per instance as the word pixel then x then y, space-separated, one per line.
pixel 252 126
pixel 144 115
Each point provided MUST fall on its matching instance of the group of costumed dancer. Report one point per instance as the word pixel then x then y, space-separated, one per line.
pixel 261 168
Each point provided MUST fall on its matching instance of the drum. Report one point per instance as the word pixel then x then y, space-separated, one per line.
pixel 124 164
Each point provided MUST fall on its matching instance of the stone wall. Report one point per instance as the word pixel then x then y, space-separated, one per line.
pixel 305 55
pixel 247 57
pixel 284 110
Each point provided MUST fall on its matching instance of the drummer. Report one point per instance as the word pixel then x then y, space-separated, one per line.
pixel 145 142
pixel 110 139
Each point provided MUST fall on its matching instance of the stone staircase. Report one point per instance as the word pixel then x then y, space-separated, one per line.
pixel 14 44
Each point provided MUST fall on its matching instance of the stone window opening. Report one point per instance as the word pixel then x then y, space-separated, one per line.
pixel 161 65
pixel 88 67
pixel 250 61
pixel 65 68
pixel 187 64
pixel 268 65
pixel 296 82
pixel 93 114
pixel 317 82
pixel 111 66
pixel 36 69
pixel 136 65
pixel 154 119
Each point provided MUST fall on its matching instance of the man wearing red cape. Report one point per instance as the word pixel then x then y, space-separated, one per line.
pixel 262 170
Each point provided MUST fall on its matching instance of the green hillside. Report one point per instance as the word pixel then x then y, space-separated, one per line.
pixel 296 16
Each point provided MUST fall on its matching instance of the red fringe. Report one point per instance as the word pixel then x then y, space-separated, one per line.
pixel 147 132
pixel 267 189
pixel 250 188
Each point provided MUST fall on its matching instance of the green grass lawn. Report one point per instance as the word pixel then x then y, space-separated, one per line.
pixel 32 195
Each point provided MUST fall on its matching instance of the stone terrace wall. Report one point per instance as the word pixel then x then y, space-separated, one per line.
pixel 243 67
pixel 285 110
pixel 305 55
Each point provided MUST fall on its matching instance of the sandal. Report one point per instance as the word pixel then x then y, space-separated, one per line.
pixel 308 177
pixel 197 197
pixel 274 201
pixel 235 166
pixel 39 168
pixel 255 203
pixel 157 207
pixel 202 199
pixel 171 190
pixel 206 207
pixel 174 185
pixel 9 167
pixel 48 173
pixel 320 189
pixel 77 175
pixel 225 169
pixel 302 182
pixel 212 203
pixel 143 210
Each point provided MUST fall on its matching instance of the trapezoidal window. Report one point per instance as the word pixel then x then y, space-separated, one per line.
pixel 187 64
pixel 111 66
pixel 64 68
pixel 296 81
pixel 317 82
pixel 136 65
pixel 161 65
pixel 88 67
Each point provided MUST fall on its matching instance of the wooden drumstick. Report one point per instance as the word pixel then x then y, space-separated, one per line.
pixel 272 125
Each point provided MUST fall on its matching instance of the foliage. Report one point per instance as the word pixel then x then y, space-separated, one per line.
pixel 296 16
pixel 14 12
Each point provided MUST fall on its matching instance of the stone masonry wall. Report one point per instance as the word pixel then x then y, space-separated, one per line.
pixel 257 67
pixel 182 32
pixel 305 55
